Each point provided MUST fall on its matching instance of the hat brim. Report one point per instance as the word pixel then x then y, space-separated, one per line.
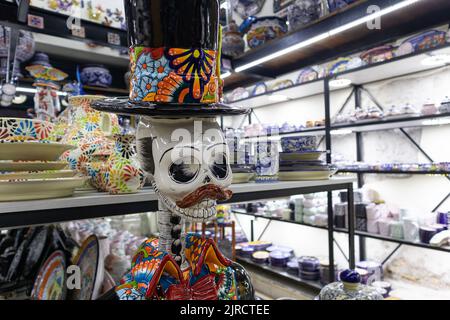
pixel 126 107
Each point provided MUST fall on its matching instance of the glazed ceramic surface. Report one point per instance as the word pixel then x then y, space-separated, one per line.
pixel 303 12
pixel 298 144
pixel 423 41
pixel 96 76
pixel 307 74
pixel 233 43
pixel 16 129
pixel 283 84
pixel 124 174
pixel 264 29
pixel 107 12
pixel 349 289
pixel 91 263
pixel 30 151
pixel 378 54
pixel 50 283
pixel 334 5
pixel 18 190
pixel 35 175
pixel 301 156
pixel 305 175
pixel 18 166
pixel 188 182
pixel 246 8
pixel 25 47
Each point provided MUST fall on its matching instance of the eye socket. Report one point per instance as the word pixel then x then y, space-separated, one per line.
pixel 220 166
pixel 184 170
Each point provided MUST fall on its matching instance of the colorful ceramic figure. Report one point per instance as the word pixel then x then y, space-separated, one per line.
pixel 176 90
pixel 46 100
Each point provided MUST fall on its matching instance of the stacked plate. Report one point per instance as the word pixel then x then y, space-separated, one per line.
pixel 29 166
pixel 300 160
pixel 242 173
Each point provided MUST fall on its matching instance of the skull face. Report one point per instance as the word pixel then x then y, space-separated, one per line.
pixel 188 163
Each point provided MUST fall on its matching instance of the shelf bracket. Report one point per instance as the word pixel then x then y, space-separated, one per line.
pixel 265 229
pixel 341 250
pixel 391 254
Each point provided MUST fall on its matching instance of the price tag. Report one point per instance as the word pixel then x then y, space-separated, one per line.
pixel 35 21
pixel 114 38
pixel 78 31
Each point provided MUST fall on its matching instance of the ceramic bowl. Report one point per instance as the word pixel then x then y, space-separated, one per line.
pixel 308 264
pixel 17 129
pixel 260 257
pixel 298 144
pixel 264 29
pixel 96 76
pixel 279 259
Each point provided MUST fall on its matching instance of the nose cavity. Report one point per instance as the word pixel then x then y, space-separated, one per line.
pixel 207 179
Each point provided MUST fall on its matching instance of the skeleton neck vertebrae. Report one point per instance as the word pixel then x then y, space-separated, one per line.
pixel 171 234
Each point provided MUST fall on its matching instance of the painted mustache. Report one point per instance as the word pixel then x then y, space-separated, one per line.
pixel 209 191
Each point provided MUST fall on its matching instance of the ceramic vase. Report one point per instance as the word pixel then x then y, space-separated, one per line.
pixel 122 173
pixel 233 44
pixel 96 76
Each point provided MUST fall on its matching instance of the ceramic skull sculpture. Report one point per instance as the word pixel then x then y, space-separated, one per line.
pixel 188 164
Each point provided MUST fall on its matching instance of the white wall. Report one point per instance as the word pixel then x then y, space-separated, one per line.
pixel 419 194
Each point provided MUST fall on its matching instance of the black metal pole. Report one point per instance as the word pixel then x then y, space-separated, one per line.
pixel 331 236
pixel 351 227
pixel 252 230
pixel 326 93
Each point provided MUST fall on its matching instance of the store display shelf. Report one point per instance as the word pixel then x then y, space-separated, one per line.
pixel 400 241
pixel 369 125
pixel 56 25
pixel 436 173
pixel 408 20
pixel 89 205
pixel 274 271
pixel 104 90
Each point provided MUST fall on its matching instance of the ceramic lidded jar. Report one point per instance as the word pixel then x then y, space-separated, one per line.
pixel 350 288
pixel 96 76
pixel 122 173
pixel 232 44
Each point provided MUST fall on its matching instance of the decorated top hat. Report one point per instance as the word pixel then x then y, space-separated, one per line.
pixel 175 60
pixel 46 76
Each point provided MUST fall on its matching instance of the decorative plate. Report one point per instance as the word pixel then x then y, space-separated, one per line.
pixel 33 175
pixel 15 166
pixel 301 156
pixel 260 88
pixel 18 190
pixel 50 283
pixel 242 177
pixel 305 175
pixel 92 270
pixel 30 151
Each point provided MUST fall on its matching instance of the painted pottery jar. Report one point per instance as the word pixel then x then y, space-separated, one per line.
pixel 303 12
pixel 88 131
pixel 25 46
pixel 96 76
pixel 17 129
pixel 123 174
pixel 232 44
pixel 264 29
pixel 349 288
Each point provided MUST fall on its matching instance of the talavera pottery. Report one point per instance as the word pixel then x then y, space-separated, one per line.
pixel 279 259
pixel 265 29
pixel 88 130
pixel 239 94
pixel 41 59
pixel 91 263
pixel 427 40
pixel 246 8
pixel 260 88
pixel 307 75
pixel 306 175
pixel 298 144
pixel 31 151
pixel 349 289
pixel 50 283
pixel 96 76
pixel 124 174
pixel 344 64
pixel 429 108
pixel 334 5
pixel 378 54
pixel 303 12
pixel 30 175
pixel 233 43
pixel 19 190
pixel 301 156
pixel 445 106
pixel 16 166
pixel 283 84
pixel 24 50
pixel 17 129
